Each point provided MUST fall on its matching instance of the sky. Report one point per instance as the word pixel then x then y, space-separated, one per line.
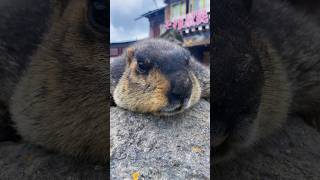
pixel 123 26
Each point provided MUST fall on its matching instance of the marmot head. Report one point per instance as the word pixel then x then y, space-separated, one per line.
pixel 157 79
pixel 69 69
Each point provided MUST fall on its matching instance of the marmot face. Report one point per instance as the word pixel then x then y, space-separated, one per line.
pixel 157 79
pixel 61 101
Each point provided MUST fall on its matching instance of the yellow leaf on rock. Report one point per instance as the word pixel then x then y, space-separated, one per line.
pixel 135 176
pixel 196 149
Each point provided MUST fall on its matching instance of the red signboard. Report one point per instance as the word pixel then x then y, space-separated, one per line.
pixel 191 19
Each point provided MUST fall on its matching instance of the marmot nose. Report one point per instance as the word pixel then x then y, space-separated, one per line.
pixel 181 87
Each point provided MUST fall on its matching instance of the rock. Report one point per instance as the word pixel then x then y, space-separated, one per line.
pixel 151 147
pixel 178 148
pixel 142 146
pixel 293 153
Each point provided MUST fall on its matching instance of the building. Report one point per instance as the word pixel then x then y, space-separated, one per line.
pixel 191 18
pixel 116 49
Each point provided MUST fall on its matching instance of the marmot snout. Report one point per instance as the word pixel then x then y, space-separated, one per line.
pixel 157 79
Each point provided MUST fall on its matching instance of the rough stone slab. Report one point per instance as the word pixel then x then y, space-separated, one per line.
pixel 161 148
pixel 155 147
pixel 291 154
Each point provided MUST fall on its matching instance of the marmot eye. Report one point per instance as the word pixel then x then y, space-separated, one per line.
pixel 143 67
pixel 97 15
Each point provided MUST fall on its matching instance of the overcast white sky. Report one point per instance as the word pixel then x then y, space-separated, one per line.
pixel 123 13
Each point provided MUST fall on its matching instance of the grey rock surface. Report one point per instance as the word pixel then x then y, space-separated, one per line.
pixel 175 147
pixel 22 161
pixel 291 154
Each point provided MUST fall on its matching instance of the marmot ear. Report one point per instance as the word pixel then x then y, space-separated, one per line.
pixel 247 4
pixel 129 55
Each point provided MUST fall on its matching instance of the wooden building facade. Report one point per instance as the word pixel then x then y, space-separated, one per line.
pixel 116 49
pixel 191 18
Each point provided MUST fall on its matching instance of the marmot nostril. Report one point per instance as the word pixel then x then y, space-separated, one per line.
pixel 177 97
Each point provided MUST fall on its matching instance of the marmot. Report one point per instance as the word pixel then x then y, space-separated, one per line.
pixel 266 60
pixel 308 7
pixel 58 97
pixel 159 77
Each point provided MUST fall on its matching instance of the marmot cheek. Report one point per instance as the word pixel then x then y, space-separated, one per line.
pixel 158 102
pixel 159 86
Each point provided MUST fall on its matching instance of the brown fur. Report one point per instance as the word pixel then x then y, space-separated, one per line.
pixel 147 101
pixel 61 102
pixel 19 36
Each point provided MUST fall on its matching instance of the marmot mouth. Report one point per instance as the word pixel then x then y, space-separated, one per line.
pixel 171 109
